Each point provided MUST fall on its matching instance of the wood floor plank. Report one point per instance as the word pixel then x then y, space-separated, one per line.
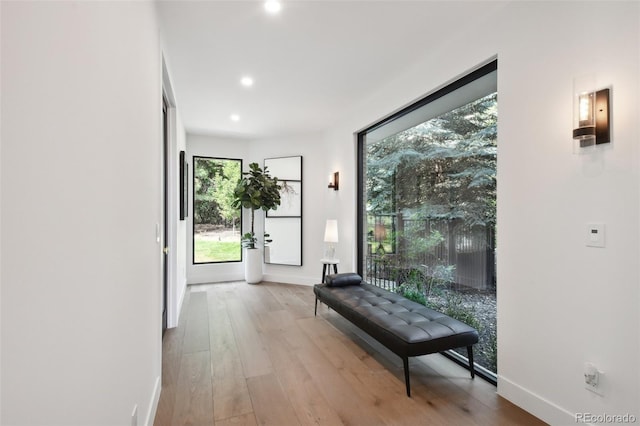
pixel 230 393
pixel 310 405
pixel 285 340
pixel 446 399
pixel 196 335
pixel 244 420
pixel 480 389
pixel 337 391
pixel 225 355
pixel 253 354
pixel 194 394
pixel 171 357
pixel 376 356
pixel 268 360
pixel 278 320
pixel 270 402
pixel 281 352
pixel 377 387
pixel 231 397
pixel 447 389
pixel 258 298
pixel 291 301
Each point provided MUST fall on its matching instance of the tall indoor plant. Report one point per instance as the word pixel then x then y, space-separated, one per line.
pixel 256 190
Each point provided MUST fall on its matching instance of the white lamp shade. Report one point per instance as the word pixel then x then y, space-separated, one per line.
pixel 331 231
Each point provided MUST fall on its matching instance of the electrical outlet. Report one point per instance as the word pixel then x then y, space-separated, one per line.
pixel 134 416
pixel 592 379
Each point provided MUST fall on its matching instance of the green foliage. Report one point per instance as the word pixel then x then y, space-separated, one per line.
pixel 256 190
pixel 435 179
pixel 417 244
pixel 489 350
pixel 412 293
pixel 426 280
pixel 445 168
pixel 450 303
pixel 223 195
pixel 214 181
pixel 456 309
pixel 249 240
pixel 216 251
pixel 438 277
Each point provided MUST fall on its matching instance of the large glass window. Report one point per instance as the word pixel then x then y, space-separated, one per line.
pixel 216 224
pixel 428 205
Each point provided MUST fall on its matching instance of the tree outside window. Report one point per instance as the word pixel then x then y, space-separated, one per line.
pixel 216 224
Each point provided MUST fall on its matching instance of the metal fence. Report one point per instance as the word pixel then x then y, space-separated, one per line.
pixel 400 247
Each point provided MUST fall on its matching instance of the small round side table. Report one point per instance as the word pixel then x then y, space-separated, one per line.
pixel 326 267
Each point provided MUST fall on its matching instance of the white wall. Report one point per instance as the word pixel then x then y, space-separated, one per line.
pixel 317 164
pixel 80 174
pixel 588 295
pixel 560 303
pixel 218 147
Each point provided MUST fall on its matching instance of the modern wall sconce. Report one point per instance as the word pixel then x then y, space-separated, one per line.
pixel 334 181
pixel 591 118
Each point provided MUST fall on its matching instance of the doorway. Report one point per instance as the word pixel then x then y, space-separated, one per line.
pixel 165 213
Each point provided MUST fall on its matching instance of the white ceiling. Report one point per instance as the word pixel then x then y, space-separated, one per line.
pixel 311 62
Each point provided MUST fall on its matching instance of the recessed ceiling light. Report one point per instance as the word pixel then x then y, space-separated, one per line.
pixel 272 6
pixel 246 81
pixel 235 117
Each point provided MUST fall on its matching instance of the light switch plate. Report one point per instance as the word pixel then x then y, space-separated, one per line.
pixel 595 235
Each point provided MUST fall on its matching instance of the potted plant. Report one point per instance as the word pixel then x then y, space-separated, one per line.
pixel 256 190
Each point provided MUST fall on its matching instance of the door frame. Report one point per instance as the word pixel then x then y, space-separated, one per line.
pixel 174 296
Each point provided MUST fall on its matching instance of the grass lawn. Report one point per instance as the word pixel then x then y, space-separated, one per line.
pixel 217 251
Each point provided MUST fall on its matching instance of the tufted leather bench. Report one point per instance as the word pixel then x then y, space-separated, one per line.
pixel 405 327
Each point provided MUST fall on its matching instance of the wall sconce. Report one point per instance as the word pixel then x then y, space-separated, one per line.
pixel 591 118
pixel 334 181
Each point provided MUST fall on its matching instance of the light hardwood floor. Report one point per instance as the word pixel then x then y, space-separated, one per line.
pixel 255 354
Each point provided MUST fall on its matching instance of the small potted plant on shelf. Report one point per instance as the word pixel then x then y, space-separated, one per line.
pixel 256 190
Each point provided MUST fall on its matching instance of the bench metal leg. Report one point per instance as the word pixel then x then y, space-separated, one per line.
pixel 405 361
pixel 315 311
pixel 470 357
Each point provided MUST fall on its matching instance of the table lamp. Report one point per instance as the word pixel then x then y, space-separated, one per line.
pixel 331 237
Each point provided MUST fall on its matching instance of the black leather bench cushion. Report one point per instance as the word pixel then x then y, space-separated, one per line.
pixel 343 280
pixel 407 328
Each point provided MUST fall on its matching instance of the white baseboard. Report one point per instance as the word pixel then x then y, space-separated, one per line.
pixel 278 278
pixel 535 404
pixel 153 406
pixel 217 278
pixel 290 279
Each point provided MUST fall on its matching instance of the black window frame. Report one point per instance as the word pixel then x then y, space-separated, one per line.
pixel 193 209
pixel 360 204
pixel 361 145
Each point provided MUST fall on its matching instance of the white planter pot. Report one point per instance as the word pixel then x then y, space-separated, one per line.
pixel 253 265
